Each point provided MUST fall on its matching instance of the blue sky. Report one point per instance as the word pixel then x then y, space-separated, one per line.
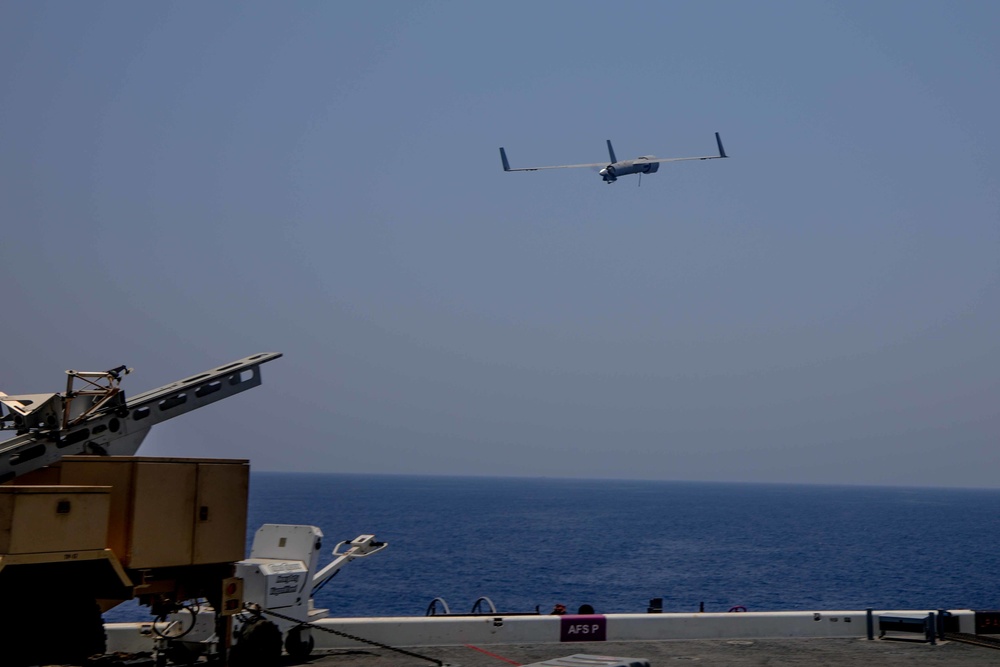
pixel 186 184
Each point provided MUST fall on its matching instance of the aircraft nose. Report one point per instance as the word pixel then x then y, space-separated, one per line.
pixel 603 172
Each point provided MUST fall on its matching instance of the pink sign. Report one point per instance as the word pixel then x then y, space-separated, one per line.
pixel 592 628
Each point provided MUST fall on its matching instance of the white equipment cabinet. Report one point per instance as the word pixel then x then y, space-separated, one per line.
pixel 279 579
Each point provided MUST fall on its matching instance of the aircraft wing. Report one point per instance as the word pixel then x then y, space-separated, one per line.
pixel 680 159
pixel 563 166
pixel 718 140
pixel 506 165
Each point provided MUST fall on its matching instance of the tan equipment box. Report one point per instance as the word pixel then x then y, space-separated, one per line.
pixel 46 519
pixel 169 512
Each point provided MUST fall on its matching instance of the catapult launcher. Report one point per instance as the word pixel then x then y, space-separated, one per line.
pixel 93 415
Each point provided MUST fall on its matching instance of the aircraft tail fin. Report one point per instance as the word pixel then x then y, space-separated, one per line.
pixel 503 158
pixel 722 151
pixel 611 152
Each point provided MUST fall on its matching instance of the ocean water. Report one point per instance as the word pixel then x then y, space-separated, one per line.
pixel 528 543
pixel 532 543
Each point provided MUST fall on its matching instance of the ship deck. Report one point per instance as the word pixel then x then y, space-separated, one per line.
pixel 835 652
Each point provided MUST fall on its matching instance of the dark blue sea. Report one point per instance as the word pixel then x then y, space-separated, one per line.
pixel 528 543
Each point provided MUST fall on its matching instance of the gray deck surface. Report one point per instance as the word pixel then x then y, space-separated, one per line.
pixel 770 652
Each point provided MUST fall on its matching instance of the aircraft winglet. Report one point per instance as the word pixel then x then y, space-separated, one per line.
pixel 718 140
pixel 503 157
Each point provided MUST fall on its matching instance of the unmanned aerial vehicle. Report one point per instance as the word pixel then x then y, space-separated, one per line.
pixel 610 172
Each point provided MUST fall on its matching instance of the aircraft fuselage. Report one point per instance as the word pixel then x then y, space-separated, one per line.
pixel 641 165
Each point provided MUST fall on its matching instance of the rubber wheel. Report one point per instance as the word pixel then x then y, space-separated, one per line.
pixel 27 638
pixel 298 643
pixel 258 645
pixel 81 634
pixel 17 649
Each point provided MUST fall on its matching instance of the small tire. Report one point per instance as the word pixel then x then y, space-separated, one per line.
pixel 81 633
pixel 258 645
pixel 299 643
pixel 90 638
